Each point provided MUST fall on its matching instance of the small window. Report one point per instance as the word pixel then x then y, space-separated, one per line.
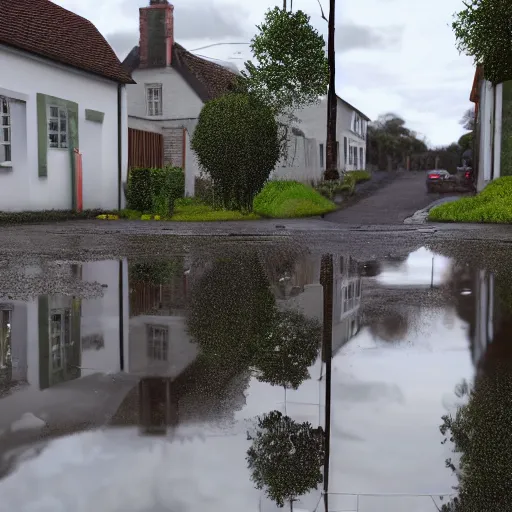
pixel 154 99
pixel 321 156
pixel 157 343
pixel 350 155
pixel 361 164
pixel 345 146
pixel 5 132
pixel 355 157
pixel 57 127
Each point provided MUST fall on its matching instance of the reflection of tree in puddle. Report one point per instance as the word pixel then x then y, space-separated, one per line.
pixel 234 318
pixel 392 326
pixel 290 348
pixel 481 432
pixel 286 457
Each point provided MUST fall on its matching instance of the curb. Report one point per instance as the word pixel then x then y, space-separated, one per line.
pixel 421 216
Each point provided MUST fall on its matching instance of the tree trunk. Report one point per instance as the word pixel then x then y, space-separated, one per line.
pixel 331 157
pixel 284 5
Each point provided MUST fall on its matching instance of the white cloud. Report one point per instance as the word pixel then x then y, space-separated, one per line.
pixel 393 55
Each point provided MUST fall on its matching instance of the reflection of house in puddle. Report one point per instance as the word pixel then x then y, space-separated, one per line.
pixel 56 348
pixel 301 289
pixel 478 303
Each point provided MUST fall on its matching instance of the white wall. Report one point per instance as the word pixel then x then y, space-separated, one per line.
pixel 303 162
pixel 314 125
pixel 182 351
pixel 179 100
pixel 21 188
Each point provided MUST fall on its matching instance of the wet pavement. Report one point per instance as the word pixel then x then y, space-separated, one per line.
pixel 244 375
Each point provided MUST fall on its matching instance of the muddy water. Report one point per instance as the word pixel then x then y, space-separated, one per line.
pixel 193 383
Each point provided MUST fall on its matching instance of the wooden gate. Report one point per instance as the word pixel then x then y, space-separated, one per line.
pixel 145 149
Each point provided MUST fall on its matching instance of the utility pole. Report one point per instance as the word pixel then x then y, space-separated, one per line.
pixel 284 5
pixel 332 103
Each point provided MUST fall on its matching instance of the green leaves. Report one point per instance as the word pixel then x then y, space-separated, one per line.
pixel 484 31
pixel 291 70
pixel 237 145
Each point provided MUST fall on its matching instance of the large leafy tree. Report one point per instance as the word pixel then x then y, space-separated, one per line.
pixel 291 69
pixel 237 145
pixel 483 31
pixel 286 457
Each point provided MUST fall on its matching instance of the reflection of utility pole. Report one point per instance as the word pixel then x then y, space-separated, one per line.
pixel 326 280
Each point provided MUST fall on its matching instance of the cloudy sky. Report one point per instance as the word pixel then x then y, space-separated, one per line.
pixel 392 55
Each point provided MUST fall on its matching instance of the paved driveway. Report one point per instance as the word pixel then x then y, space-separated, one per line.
pixel 390 205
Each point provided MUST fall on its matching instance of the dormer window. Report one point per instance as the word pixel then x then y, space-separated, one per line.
pixel 154 99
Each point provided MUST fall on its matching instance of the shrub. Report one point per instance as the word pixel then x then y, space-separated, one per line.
pixel 288 199
pixel 237 145
pixel 345 185
pixel 492 205
pixel 155 190
pixel 360 175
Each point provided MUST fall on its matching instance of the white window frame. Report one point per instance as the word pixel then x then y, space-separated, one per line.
pixel 157 342
pixel 5 127
pixel 59 131
pixel 154 105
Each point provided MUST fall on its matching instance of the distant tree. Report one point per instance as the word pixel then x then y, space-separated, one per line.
pixel 290 348
pixel 237 145
pixel 286 457
pixel 482 30
pixel 390 142
pixel 466 141
pixel 468 119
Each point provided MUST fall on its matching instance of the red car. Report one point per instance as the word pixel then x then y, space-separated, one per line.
pixel 437 180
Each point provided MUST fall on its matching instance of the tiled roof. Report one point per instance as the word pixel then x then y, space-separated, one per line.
pixel 207 79
pixel 48 30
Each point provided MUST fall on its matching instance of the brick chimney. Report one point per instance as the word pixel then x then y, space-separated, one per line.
pixel 156 34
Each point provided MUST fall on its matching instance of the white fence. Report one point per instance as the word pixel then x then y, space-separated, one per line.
pixel 302 162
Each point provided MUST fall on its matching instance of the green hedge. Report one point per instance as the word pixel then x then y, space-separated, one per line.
pixel 155 190
pixel 289 199
pixel 492 205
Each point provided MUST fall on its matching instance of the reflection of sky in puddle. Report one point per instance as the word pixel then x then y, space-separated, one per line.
pixel 416 270
pixel 388 400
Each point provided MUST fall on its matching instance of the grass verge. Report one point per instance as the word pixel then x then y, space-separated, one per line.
pixel 192 210
pixel 492 205
pixel 290 199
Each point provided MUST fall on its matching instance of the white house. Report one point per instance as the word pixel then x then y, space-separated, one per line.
pixel 351 130
pixel 493 122
pixel 172 87
pixel 62 108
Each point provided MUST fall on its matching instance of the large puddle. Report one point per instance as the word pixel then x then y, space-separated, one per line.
pixel 233 383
